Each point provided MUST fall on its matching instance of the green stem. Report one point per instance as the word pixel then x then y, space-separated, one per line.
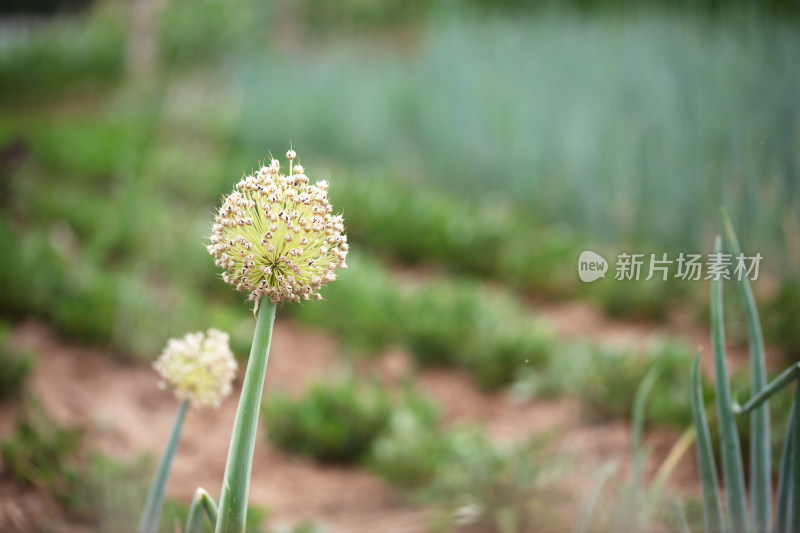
pixel 794 510
pixel 155 497
pixel 236 483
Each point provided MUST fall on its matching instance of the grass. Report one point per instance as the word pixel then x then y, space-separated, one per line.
pixel 409 449
pixel 605 379
pixel 15 366
pixel 467 479
pixel 333 422
pixel 608 373
pixel 42 453
pixel 460 473
pixel 635 503
pixel 494 488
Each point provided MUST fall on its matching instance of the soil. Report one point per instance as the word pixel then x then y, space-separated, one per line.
pixel 126 415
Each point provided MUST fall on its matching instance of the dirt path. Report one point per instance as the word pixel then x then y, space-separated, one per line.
pixel 125 415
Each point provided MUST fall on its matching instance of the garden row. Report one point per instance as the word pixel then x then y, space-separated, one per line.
pixel 604 172
pixel 108 278
pixel 459 472
pixel 100 252
pixel 491 335
pixel 121 180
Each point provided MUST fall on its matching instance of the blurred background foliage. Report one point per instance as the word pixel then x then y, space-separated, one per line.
pixel 475 148
pixel 485 141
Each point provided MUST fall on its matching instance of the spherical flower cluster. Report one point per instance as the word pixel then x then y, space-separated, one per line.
pixel 199 368
pixel 276 236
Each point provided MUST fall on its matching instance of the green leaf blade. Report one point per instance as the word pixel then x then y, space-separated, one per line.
pixel 785 485
pixel 732 469
pixel 760 453
pixel 202 501
pixel 639 404
pixel 712 509
pixel 793 517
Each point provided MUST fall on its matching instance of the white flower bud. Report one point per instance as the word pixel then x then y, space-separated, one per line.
pixel 199 368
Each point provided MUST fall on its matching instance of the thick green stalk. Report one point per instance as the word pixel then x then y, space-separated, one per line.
pixel 236 483
pixel 202 501
pixel 155 497
pixel 732 469
pixel 760 452
pixel 794 511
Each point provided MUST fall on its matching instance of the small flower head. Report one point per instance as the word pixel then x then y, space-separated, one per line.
pixel 277 236
pixel 199 367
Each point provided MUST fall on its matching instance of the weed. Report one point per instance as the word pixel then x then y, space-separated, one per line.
pixel 331 422
pixel 410 449
pixel 14 366
pixel 491 488
pixel 44 454
pixel 468 479
pixel 605 379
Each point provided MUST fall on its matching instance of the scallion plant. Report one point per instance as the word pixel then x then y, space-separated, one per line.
pixel 274 236
pixel 738 519
pixel 199 368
